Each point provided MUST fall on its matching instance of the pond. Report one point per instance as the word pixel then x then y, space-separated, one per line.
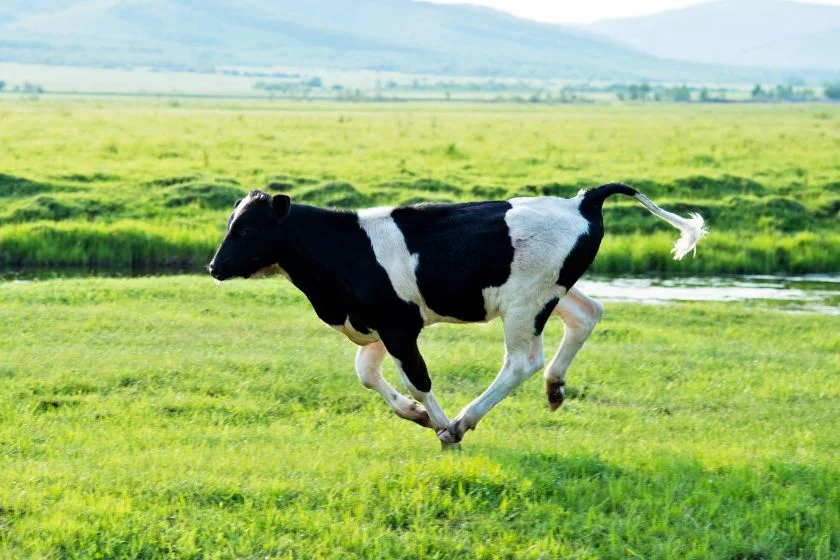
pixel 814 293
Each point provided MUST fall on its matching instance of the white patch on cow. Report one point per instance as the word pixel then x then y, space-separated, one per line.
pixel 391 252
pixel 373 213
pixel 543 231
pixel 239 209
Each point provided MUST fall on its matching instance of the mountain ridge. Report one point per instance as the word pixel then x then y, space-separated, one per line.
pixel 776 34
pixel 400 35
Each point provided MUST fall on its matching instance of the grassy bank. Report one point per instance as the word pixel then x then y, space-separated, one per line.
pixel 150 182
pixel 139 245
pixel 167 417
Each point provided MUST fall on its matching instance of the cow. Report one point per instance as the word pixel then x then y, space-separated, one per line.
pixel 381 275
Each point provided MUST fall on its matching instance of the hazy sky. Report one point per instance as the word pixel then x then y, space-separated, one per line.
pixel 585 11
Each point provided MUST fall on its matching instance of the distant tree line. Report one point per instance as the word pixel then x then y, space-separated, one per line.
pixel 678 94
pixel 471 86
pixel 832 91
pixel 782 93
pixel 287 87
pixel 523 91
pixel 251 74
pixel 520 91
pixel 27 87
pixel 687 94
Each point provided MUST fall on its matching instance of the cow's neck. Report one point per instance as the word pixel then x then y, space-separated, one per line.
pixel 310 240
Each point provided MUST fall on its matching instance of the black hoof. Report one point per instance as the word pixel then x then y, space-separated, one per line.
pixel 555 391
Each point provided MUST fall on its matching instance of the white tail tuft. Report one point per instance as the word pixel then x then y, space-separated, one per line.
pixel 693 229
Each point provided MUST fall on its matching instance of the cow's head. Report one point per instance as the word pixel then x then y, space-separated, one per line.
pixel 252 232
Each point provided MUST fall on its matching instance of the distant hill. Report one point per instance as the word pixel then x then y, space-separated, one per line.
pixel 399 35
pixel 768 33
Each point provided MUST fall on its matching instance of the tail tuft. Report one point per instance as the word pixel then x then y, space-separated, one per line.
pixel 693 230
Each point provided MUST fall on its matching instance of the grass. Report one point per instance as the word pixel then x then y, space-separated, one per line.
pixel 149 182
pixel 166 417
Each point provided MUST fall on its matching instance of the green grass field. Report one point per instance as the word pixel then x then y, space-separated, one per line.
pixel 120 182
pixel 168 417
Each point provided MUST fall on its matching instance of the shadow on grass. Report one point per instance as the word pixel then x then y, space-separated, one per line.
pixel 754 510
pixel 18 187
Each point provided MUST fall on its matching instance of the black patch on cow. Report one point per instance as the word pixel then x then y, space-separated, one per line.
pixel 542 317
pixel 582 255
pixel 401 343
pixel 327 256
pixel 462 248
pixel 357 324
pixel 330 259
pixel 586 247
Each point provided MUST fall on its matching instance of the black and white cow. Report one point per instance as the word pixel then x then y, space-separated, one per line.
pixel 380 275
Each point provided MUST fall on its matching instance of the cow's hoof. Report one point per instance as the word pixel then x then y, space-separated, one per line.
pixel 447 437
pixel 455 447
pixel 453 433
pixel 417 414
pixel 556 392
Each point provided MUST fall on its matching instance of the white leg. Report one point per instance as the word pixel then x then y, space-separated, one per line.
pixel 523 358
pixel 369 368
pixel 437 416
pixel 580 314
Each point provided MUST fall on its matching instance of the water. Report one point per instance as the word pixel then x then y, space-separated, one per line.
pixel 807 294
pixel 814 293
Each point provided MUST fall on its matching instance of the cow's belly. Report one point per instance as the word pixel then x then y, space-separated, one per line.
pixel 355 336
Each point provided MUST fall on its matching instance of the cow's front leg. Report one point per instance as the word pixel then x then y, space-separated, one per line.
pixel 403 348
pixel 369 368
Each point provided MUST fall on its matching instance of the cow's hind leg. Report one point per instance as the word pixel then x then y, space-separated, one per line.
pixel 580 314
pixel 369 368
pixel 523 358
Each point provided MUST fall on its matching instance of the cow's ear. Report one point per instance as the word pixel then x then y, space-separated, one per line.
pixel 237 203
pixel 281 204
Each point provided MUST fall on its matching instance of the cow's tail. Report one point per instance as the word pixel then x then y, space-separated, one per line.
pixel 693 228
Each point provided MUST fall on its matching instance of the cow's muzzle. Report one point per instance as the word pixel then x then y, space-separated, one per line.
pixel 216 273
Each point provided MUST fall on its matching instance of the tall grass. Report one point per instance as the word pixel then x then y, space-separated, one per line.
pixel 147 184
pixel 124 244
pixel 141 245
pixel 723 253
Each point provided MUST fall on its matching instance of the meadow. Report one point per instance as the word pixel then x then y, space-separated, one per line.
pixel 148 182
pixel 166 417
